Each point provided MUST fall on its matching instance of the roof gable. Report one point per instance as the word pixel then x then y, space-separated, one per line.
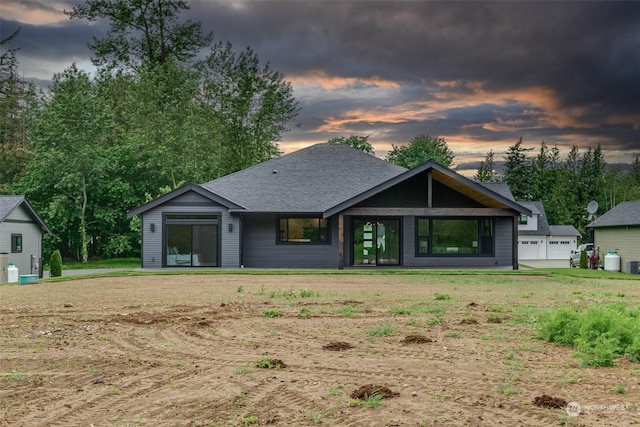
pixel 625 213
pixel 179 192
pixel 448 178
pixel 537 208
pixel 9 203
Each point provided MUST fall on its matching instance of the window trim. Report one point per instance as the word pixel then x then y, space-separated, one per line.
pixel 15 249
pixel 479 237
pixel 288 217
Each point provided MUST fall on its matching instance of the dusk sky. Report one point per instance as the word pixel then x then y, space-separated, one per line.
pixel 478 74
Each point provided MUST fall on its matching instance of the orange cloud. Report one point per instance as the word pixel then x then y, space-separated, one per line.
pixel 52 13
pixel 321 79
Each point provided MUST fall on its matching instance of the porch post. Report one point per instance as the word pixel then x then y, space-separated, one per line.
pixel 340 242
pixel 515 242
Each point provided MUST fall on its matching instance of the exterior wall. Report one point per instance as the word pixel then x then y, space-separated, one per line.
pixel 21 222
pixel 153 241
pixel 502 251
pixel 625 240
pixel 531 225
pixel 261 250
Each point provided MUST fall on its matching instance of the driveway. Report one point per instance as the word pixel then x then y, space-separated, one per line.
pixel 544 263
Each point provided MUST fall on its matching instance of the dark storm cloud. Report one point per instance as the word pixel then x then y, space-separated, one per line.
pixel 563 72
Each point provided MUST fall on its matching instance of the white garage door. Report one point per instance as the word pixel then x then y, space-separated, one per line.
pixel 528 249
pixel 559 249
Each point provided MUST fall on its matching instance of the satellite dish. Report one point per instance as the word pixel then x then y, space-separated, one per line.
pixel 592 208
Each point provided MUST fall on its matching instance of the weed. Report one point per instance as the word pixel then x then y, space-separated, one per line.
pixel 442 297
pixel 620 295
pixel 304 313
pixel 399 310
pixel 382 330
pixel 140 421
pixel 241 370
pixel 14 376
pixel 273 313
pixel 354 403
pixel 239 289
pixel 619 389
pixel 250 420
pixel 336 391
pixel 452 335
pixel 506 389
pixel 305 293
pixel 114 390
pixel 373 401
pixel 436 321
pixel 496 309
pixel 346 310
pixel 316 416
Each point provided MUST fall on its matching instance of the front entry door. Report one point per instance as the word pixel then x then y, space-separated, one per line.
pixel 376 241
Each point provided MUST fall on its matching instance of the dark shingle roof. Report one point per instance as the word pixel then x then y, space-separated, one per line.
pixel 9 203
pixel 499 187
pixel 563 230
pixel 313 179
pixel 625 213
pixel 543 224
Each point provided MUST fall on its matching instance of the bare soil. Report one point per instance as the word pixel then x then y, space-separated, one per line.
pixel 188 350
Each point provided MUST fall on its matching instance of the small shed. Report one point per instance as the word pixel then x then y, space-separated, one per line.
pixel 619 230
pixel 21 232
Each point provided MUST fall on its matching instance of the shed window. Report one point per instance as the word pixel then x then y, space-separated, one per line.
pixel 16 243
pixel 303 230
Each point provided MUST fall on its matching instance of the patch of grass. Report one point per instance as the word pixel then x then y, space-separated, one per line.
pixel 436 321
pixel 239 289
pixel 304 313
pixel 507 389
pixel 346 310
pixel 601 333
pixel 452 335
pixel 373 401
pixel 382 330
pixel 14 376
pixel 250 420
pixel 273 313
pixel 619 389
pixel 399 310
pixel 442 297
pixel 336 391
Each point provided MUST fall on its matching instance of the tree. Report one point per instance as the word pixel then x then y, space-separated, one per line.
pixel 486 171
pixel 74 154
pixel 17 101
pixel 358 142
pixel 517 174
pixel 142 32
pixel 421 149
pixel 251 105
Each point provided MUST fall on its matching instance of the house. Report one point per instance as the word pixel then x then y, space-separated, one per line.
pixel 21 230
pixel 537 240
pixel 619 230
pixel 331 206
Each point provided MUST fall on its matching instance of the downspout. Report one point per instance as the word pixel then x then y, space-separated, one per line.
pixel 241 241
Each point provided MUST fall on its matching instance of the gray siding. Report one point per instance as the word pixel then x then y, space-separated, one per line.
pixel 260 249
pixel 152 246
pixel 21 222
pixel 502 255
pixel 624 239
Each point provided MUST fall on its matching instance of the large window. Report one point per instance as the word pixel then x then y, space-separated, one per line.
pixel 191 240
pixel 16 243
pixel 454 236
pixel 303 230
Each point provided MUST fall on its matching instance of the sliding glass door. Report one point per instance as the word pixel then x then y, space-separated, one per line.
pixel 376 241
pixel 191 240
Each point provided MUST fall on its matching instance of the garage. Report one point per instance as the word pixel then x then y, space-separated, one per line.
pixel 529 249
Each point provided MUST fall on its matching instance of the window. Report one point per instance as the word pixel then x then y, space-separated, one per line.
pixel 191 240
pixel 303 230
pixel 524 220
pixel 16 243
pixel 454 236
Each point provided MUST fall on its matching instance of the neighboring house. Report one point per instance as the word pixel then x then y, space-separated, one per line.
pixel 537 240
pixel 619 230
pixel 331 206
pixel 21 230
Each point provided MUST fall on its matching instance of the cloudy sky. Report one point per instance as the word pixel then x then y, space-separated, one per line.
pixel 479 74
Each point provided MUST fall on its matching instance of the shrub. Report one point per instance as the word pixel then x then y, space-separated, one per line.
pixel 600 333
pixel 55 264
pixel 583 259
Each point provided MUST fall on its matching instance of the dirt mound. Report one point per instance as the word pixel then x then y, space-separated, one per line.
pixel 472 304
pixel 546 401
pixel 468 322
pixel 416 339
pixel 337 346
pixel 367 390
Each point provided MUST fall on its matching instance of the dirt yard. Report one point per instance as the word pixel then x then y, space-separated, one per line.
pixel 302 350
